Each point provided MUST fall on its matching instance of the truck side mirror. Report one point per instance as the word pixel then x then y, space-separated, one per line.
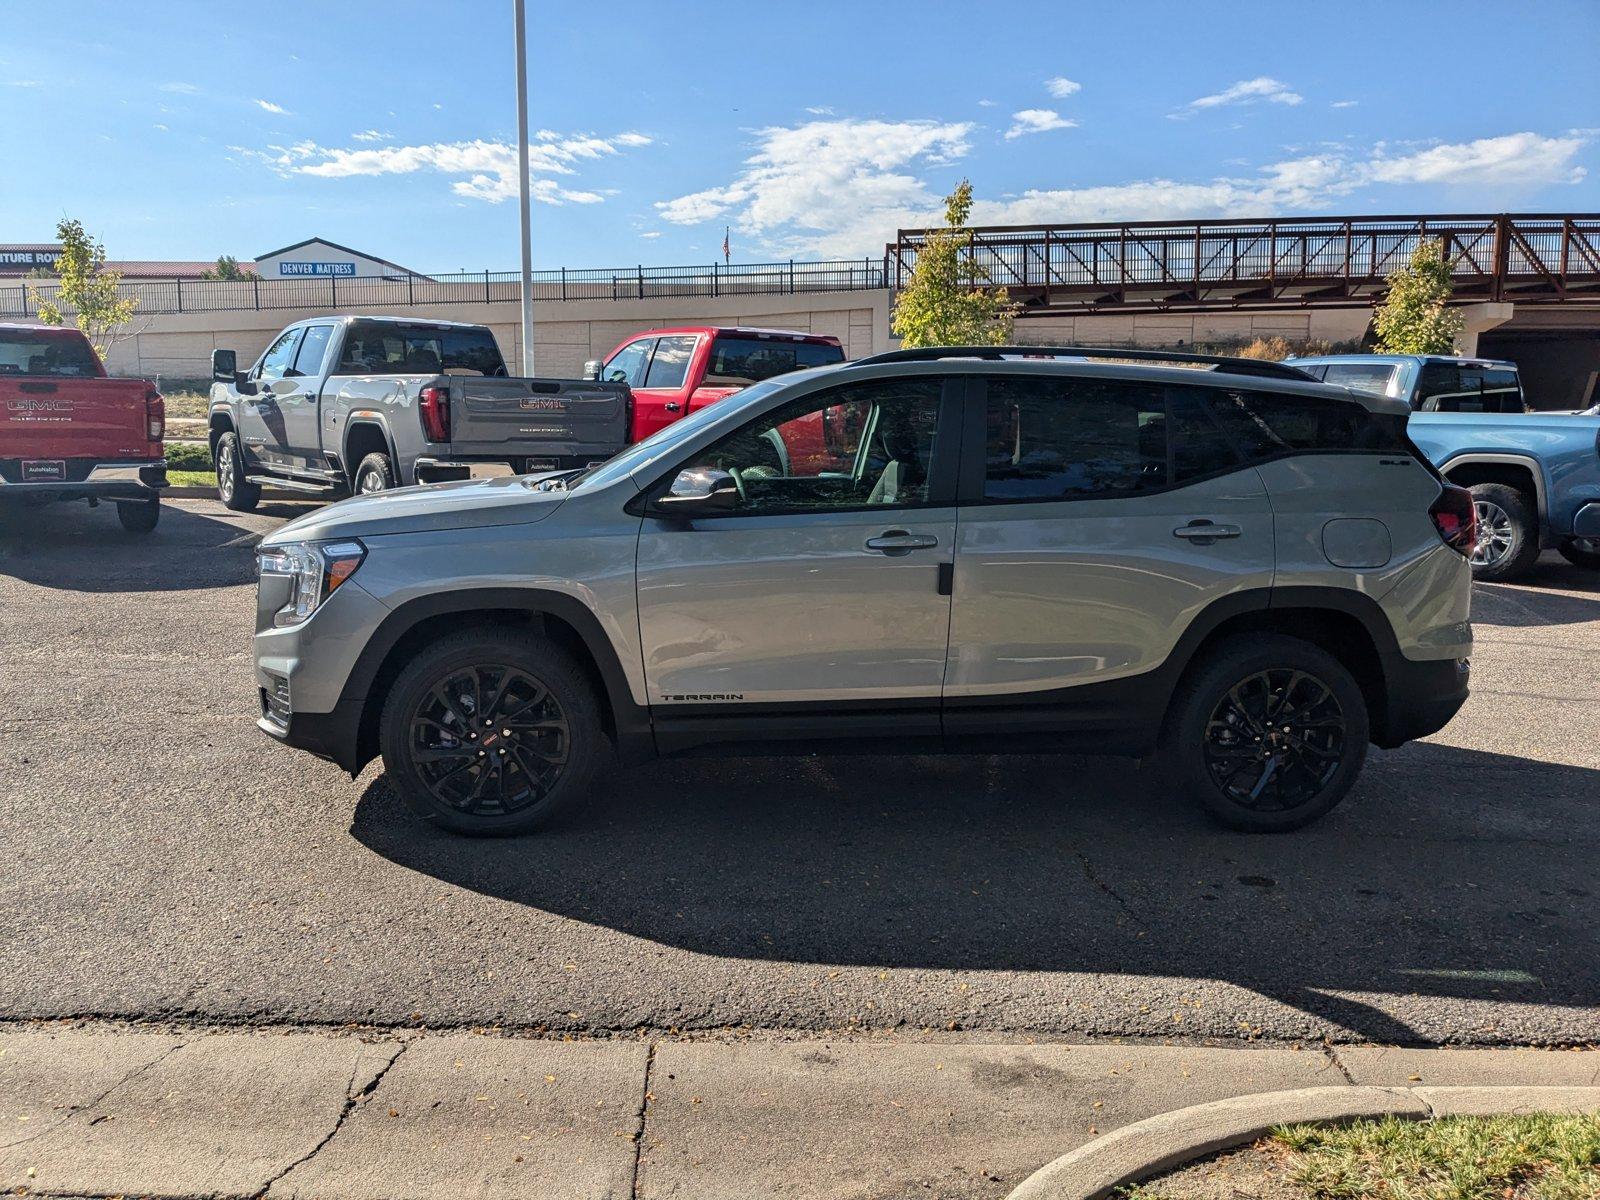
pixel 591 369
pixel 224 366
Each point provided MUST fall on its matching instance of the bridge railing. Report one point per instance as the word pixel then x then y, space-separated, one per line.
pixel 1540 257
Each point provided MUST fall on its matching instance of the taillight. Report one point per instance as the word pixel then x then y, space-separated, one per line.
pixel 434 404
pixel 1456 518
pixel 155 416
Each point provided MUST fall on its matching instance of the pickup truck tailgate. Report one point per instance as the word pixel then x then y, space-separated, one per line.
pixel 46 418
pixel 537 417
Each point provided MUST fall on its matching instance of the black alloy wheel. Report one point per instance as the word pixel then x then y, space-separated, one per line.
pixel 1275 740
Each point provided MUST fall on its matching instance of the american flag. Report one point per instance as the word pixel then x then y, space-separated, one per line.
pixel 726 252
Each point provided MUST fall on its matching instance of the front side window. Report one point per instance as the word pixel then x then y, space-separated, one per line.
pixel 628 364
pixel 866 445
pixel 669 365
pixel 1065 439
pixel 278 359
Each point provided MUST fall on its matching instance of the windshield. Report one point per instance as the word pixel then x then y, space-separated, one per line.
pixel 662 441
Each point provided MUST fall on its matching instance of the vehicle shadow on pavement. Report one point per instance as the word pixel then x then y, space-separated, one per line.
pixel 76 548
pixel 1450 873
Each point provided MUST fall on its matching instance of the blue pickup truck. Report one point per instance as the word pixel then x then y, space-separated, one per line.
pixel 1535 477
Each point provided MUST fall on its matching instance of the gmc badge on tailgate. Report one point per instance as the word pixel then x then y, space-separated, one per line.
pixel 544 404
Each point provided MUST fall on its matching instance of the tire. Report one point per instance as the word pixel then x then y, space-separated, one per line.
pixel 1208 744
pixel 1508 532
pixel 233 489
pixel 374 473
pixel 139 516
pixel 523 790
pixel 1581 552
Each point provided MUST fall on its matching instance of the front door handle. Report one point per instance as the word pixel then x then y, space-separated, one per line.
pixel 672 406
pixel 898 541
pixel 1205 532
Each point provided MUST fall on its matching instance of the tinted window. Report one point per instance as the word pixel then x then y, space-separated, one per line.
pixel 23 352
pixel 1265 425
pixel 862 446
pixel 627 365
pixel 392 348
pixel 1199 447
pixel 740 361
pixel 1055 439
pixel 276 362
pixel 669 365
pixel 1446 387
pixel 313 350
pixel 1502 390
pixel 1364 377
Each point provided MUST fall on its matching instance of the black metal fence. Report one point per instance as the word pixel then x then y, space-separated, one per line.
pixel 162 296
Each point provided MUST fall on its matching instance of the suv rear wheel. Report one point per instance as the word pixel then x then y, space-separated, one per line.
pixel 491 732
pixel 232 488
pixel 1267 733
pixel 1508 532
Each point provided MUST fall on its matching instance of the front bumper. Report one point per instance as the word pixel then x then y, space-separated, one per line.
pixel 1420 697
pixel 137 480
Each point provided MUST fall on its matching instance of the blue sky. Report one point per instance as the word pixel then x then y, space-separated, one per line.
pixel 187 130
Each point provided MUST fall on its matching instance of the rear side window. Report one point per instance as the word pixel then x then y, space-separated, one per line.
pixel 741 361
pixel 1059 439
pixel 23 352
pixel 669 365
pixel 313 350
pixel 391 348
pixel 1268 425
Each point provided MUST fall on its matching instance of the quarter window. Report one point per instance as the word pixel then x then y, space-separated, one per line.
pixel 867 445
pixel 669 365
pixel 1267 425
pixel 1062 439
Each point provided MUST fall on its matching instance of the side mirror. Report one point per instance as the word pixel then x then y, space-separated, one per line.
pixel 591 369
pixel 224 366
pixel 700 489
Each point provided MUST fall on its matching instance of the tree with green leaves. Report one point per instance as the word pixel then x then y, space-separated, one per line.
pixel 945 303
pixel 87 290
pixel 227 268
pixel 1415 318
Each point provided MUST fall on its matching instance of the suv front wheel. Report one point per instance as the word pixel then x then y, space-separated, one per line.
pixel 1267 733
pixel 491 732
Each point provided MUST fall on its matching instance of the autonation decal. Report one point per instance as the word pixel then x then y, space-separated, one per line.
pixel 316 268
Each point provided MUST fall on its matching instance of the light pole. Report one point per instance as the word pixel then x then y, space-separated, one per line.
pixel 522 189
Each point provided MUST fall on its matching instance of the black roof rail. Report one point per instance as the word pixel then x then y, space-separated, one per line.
pixel 1233 365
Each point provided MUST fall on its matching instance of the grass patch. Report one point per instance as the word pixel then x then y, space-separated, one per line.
pixel 1538 1157
pixel 183 403
pixel 205 479
pixel 189 456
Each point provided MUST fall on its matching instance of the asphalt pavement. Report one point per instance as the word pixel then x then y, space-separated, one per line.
pixel 164 861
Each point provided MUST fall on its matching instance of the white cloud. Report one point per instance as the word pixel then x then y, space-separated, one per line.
pixel 22 83
pixel 269 106
pixel 841 188
pixel 819 110
pixel 1344 104
pixel 1036 120
pixel 1061 87
pixel 651 235
pixel 485 170
pixel 1249 91
pixel 987 103
pixel 828 186
pixel 162 128
pixel 372 135
pixel 182 89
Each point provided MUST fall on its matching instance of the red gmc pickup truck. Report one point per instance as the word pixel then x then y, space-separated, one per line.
pixel 67 432
pixel 673 372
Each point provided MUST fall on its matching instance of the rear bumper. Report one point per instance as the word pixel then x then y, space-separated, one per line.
pixel 138 480
pixel 1420 698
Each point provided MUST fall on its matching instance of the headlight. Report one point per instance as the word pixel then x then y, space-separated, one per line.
pixel 317 569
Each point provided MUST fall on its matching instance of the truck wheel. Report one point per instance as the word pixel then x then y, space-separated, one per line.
pixel 233 489
pixel 375 473
pixel 1581 552
pixel 491 732
pixel 1508 532
pixel 1267 733
pixel 139 516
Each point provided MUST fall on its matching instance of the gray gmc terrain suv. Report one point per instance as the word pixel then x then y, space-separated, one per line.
pixel 1248 572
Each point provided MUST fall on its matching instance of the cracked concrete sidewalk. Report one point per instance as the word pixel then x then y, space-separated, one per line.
pixel 105 1111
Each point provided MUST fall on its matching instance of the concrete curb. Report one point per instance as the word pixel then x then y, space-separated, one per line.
pixel 1159 1143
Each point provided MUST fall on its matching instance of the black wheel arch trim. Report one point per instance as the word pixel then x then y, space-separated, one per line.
pixel 348 466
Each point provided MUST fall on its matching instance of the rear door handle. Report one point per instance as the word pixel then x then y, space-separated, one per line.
pixel 898 541
pixel 1205 531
